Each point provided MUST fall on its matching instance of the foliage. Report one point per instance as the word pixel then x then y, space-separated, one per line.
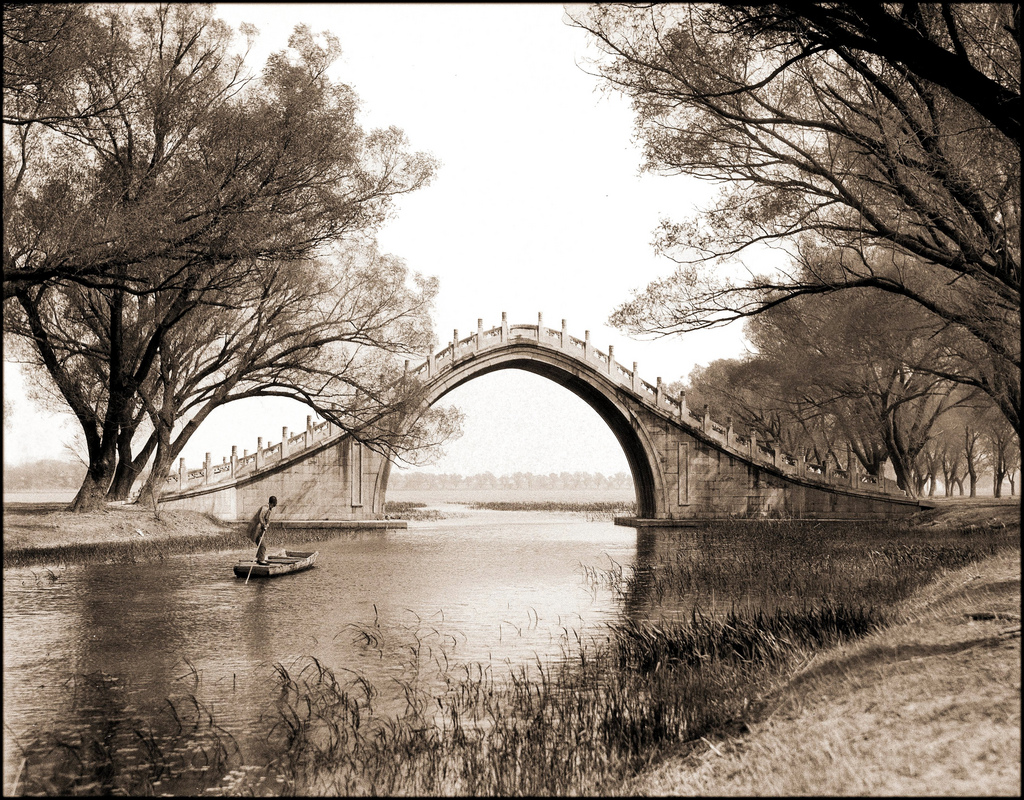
pixel 179 234
pixel 865 142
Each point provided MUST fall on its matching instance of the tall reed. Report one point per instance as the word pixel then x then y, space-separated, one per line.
pixel 712 621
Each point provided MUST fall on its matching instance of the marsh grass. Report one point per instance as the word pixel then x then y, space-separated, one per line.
pixel 605 509
pixel 713 621
pixel 412 511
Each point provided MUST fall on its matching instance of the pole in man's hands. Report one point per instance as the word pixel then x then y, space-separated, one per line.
pixel 258 543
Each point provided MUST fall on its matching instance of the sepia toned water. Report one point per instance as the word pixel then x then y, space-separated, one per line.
pixel 86 645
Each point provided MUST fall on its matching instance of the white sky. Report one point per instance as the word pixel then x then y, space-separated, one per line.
pixel 538 206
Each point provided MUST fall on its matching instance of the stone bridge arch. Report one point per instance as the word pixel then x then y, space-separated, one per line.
pixel 583 380
pixel 685 465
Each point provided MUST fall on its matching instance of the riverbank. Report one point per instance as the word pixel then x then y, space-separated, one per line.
pixel 43 533
pixel 46 534
pixel 927 706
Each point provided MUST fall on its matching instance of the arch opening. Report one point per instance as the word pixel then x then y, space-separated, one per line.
pixel 597 392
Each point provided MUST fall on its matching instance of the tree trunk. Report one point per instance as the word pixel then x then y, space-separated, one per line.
pixel 93 492
pixel 128 469
pixel 997 483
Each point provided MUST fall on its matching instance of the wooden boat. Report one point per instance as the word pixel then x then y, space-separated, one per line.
pixel 291 561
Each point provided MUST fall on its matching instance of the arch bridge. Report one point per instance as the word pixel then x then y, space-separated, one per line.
pixel 685 465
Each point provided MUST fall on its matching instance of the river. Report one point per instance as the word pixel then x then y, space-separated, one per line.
pixel 85 645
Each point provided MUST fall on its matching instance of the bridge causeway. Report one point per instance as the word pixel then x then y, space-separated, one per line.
pixel 675 452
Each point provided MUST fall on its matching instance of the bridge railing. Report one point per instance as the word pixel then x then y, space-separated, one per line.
pixel 240 466
pixel 582 349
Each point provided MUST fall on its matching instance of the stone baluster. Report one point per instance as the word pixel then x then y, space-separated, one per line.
pixel 504 327
pixel 705 423
pixel 207 468
pixel 565 335
pixel 660 398
pixel 611 359
pixel 588 348
pixel 540 327
pixel 801 465
pixel 753 446
pixel 259 452
pixel 234 460
pixel 479 333
pixel 182 474
pixel 430 365
pixel 634 380
pixel 284 442
pixel 777 455
pixel 729 432
pixel 683 412
pixel 455 344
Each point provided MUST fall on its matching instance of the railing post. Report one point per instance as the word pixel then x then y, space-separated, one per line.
pixel 504 327
pixel 455 344
pixel 753 445
pixel 660 392
pixel 479 332
pixel 801 465
pixel 611 361
pixel 430 365
pixel 259 452
pixel 182 474
pixel 588 348
pixel 683 411
pixel 540 327
pixel 634 381
pixel 284 442
pixel 728 432
pixel 776 455
pixel 705 422
pixel 207 469
pixel 565 336
pixel 234 459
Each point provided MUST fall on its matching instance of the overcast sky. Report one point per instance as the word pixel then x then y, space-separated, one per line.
pixel 538 206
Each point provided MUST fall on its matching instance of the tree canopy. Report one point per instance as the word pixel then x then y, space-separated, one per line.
pixel 179 233
pixel 874 145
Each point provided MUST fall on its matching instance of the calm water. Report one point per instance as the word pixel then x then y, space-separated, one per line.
pixel 103 641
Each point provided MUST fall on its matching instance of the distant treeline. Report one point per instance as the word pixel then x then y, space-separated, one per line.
pixel 43 475
pixel 518 480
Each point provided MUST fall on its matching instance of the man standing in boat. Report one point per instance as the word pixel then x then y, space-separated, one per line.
pixel 257 530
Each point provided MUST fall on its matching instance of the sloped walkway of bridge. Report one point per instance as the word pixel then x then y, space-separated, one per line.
pixel 437 372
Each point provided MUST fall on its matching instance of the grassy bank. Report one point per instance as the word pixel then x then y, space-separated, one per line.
pixel 684 665
pixel 45 534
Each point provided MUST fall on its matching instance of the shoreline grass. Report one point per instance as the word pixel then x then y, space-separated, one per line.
pixel 680 665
